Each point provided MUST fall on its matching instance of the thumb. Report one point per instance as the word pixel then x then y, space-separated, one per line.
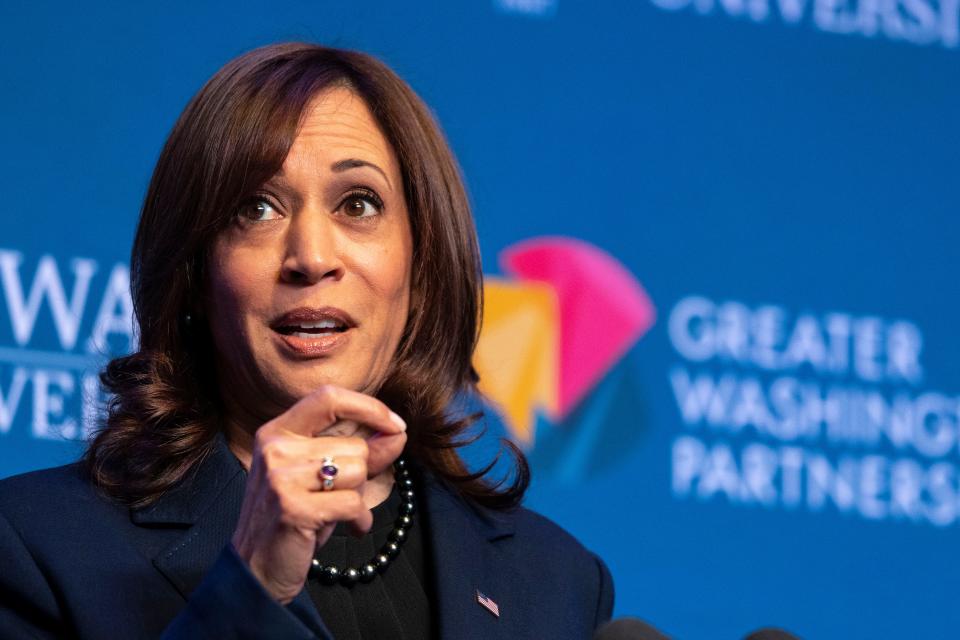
pixel 383 450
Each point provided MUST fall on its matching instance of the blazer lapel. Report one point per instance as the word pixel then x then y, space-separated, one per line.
pixel 208 506
pixel 466 562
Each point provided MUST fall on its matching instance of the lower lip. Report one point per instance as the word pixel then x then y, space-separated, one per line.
pixel 314 346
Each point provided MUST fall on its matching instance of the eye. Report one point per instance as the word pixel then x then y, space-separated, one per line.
pixel 362 203
pixel 258 210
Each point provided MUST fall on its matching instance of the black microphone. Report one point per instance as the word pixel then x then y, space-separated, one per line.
pixel 770 633
pixel 628 629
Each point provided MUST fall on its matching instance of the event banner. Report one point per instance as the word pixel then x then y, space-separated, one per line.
pixel 720 244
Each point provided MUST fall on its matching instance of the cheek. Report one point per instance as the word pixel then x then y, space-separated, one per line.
pixel 386 272
pixel 237 288
pixel 395 282
pixel 383 260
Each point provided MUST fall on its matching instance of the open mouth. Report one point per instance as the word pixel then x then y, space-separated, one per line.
pixel 307 330
pixel 307 323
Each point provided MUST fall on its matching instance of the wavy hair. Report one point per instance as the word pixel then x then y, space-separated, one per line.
pixel 233 136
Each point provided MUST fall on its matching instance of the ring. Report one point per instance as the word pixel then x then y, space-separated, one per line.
pixel 328 471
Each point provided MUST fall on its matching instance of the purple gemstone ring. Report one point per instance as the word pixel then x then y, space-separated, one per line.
pixel 328 472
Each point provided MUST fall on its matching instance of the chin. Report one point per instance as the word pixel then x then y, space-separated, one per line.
pixel 299 387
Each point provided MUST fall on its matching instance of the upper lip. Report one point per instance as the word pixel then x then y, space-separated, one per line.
pixel 309 315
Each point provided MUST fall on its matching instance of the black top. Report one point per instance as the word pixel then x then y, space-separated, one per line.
pixel 395 604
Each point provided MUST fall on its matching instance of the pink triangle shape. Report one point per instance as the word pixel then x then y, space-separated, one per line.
pixel 604 310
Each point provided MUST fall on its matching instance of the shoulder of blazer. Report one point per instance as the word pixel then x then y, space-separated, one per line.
pixel 526 529
pixel 44 518
pixel 540 576
pixel 559 561
pixel 49 494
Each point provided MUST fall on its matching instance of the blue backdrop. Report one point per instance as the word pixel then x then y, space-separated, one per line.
pixel 781 176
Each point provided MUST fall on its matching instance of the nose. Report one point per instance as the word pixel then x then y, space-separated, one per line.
pixel 311 252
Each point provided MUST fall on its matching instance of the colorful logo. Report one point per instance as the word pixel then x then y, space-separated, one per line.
pixel 551 331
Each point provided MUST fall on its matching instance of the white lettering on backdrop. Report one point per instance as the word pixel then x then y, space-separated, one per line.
pixel 918 22
pixel 811 411
pixel 55 380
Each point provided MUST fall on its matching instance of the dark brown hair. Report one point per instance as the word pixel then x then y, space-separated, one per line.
pixel 232 137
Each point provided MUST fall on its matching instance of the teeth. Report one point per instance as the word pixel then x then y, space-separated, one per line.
pixel 322 324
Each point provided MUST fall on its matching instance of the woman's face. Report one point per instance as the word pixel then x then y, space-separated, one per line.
pixel 310 284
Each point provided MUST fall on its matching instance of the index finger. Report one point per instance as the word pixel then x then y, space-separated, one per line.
pixel 328 404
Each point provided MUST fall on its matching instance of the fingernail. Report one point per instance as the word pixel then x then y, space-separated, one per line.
pixel 398 421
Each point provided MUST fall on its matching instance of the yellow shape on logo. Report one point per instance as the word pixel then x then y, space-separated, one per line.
pixel 517 355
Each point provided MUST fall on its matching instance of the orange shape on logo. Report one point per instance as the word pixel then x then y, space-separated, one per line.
pixel 517 354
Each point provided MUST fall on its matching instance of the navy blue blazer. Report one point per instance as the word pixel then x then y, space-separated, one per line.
pixel 74 564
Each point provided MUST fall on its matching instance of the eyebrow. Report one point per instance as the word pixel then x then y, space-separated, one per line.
pixel 353 163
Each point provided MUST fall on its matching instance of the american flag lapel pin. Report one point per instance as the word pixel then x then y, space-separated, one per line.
pixel 488 604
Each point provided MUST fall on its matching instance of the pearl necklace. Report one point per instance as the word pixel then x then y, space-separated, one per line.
pixel 331 574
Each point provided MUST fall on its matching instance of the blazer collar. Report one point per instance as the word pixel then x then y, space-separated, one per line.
pixel 206 504
pixel 216 478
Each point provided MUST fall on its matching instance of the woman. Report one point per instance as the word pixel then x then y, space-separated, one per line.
pixel 307 286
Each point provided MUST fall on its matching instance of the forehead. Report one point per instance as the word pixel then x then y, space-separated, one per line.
pixel 337 122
